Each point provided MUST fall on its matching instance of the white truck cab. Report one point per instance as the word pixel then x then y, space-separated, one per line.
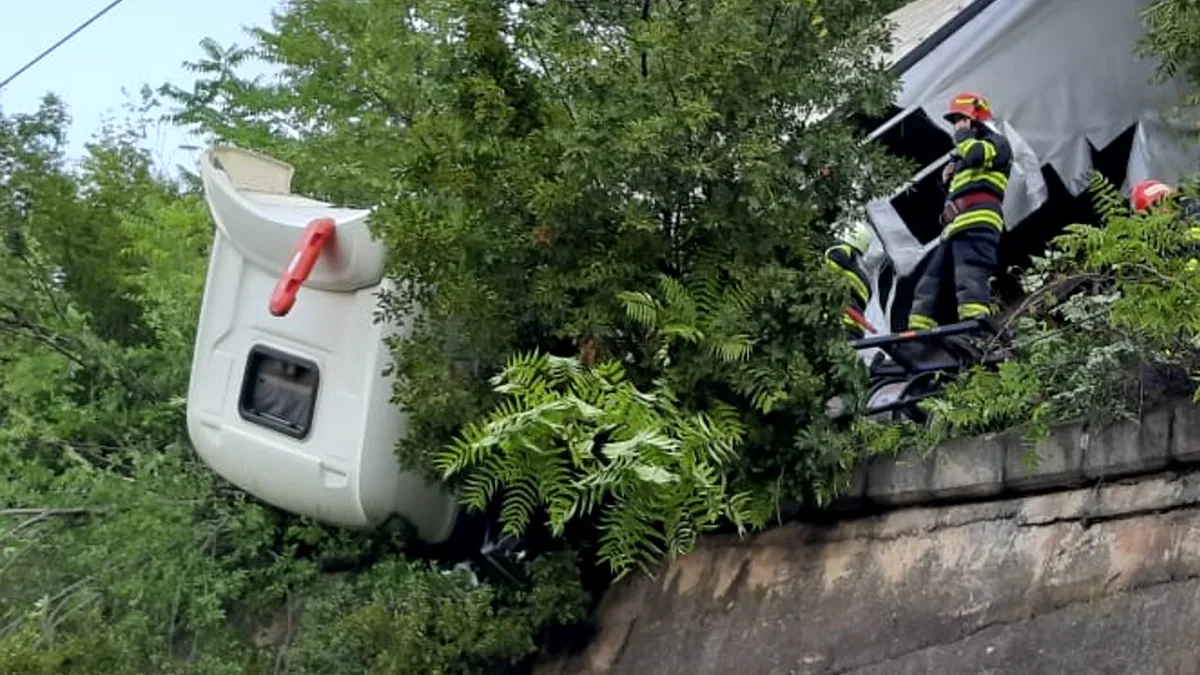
pixel 287 397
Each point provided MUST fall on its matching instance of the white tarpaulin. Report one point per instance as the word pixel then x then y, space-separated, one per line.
pixel 1058 73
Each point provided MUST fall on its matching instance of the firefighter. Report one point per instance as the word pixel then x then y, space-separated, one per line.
pixel 847 258
pixel 1147 193
pixel 972 218
pixel 1150 194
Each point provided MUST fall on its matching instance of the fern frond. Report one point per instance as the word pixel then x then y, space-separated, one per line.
pixel 684 330
pixel 1106 198
pixel 654 474
pixel 736 348
pixel 676 295
pixel 740 298
pixel 478 489
pixel 467 450
pixel 578 440
pixel 705 283
pixel 616 450
pixel 520 500
pixel 761 385
pixel 610 372
pixel 629 540
pixel 640 306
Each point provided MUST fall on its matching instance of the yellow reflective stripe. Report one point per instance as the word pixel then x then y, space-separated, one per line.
pixel 972 100
pixel 857 286
pixel 979 216
pixel 989 150
pixel 973 310
pixel 920 322
pixel 834 266
pixel 844 248
pixel 973 218
pixel 995 178
pixel 850 323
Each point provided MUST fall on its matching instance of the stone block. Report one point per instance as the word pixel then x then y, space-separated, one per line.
pixel 1058 460
pixel 900 480
pixel 969 467
pixel 1185 432
pixel 1128 448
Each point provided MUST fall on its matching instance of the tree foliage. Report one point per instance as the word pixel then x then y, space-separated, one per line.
pixel 570 439
pixel 121 553
pixel 1172 39
pixel 590 181
pixel 405 617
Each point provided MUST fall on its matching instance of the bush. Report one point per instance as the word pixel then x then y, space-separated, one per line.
pixel 570 439
pixel 408 617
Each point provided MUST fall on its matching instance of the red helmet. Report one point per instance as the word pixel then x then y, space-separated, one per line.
pixel 1148 192
pixel 969 105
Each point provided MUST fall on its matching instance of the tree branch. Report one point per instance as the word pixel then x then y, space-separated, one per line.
pixel 1069 283
pixel 645 19
pixel 49 512
pixel 18 323
pixel 38 516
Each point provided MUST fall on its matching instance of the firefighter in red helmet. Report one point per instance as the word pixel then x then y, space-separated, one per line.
pixel 1147 193
pixel 972 218
pixel 1151 195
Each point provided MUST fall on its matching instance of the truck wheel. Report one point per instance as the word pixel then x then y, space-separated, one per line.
pixel 400 527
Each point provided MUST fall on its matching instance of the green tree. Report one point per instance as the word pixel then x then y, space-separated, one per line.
pixel 76 216
pixel 538 167
pixel 121 552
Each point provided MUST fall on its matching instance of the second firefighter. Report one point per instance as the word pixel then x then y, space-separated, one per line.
pixel 973 217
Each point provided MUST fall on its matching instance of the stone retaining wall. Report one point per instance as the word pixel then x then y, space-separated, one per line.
pixel 1102 579
pixel 996 464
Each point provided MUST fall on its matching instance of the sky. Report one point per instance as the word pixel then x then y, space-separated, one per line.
pixel 138 42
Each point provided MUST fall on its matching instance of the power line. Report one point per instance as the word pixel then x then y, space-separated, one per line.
pixel 58 44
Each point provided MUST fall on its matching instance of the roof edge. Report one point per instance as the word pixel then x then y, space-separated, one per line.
pixel 939 36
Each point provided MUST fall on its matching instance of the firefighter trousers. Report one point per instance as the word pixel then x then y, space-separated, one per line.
pixel 970 255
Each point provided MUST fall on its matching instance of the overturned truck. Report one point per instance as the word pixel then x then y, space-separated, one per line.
pixel 288 397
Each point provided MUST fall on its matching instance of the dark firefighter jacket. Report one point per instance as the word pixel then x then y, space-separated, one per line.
pixel 983 161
